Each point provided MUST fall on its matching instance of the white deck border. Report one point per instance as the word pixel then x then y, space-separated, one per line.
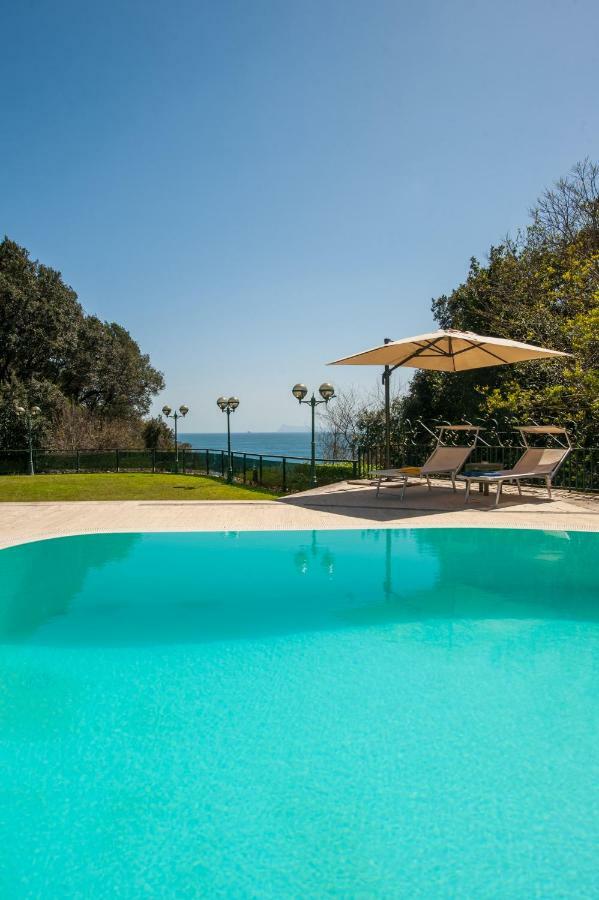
pixel 343 506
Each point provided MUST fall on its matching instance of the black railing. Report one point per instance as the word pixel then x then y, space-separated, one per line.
pixel 281 474
pixel 580 471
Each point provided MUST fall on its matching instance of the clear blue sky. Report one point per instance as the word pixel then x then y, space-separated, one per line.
pixel 255 188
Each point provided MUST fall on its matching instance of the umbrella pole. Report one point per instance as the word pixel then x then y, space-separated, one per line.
pixel 386 377
pixel 386 382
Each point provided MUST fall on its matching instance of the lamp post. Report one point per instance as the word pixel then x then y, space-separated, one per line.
pixel 327 392
pixel 167 411
pixel 29 415
pixel 228 406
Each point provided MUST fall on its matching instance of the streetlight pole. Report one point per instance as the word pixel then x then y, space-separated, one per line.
pixel 29 415
pixel 327 392
pixel 183 410
pixel 228 406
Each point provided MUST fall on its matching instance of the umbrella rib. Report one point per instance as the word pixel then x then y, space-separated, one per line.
pixel 482 347
pixel 419 352
pixel 429 346
pixel 437 351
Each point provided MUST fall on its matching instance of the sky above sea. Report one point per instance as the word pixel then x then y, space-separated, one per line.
pixel 255 189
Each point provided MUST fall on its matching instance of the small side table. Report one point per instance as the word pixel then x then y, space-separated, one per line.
pixel 484 466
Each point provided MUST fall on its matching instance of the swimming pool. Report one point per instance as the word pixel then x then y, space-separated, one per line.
pixel 300 714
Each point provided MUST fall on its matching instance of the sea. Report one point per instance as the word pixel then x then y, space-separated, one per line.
pixel 275 443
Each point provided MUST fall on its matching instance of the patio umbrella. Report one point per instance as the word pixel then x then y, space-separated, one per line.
pixel 443 351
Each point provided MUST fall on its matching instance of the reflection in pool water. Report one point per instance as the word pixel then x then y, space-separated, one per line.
pixel 361 713
pixel 121 588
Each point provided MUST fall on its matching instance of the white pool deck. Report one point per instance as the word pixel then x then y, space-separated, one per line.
pixel 343 505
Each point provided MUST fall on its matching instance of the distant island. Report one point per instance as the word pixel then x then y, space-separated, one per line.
pixel 293 428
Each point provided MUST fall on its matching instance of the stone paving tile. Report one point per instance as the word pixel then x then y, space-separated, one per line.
pixel 344 505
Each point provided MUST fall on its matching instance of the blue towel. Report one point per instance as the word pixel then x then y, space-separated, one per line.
pixel 475 474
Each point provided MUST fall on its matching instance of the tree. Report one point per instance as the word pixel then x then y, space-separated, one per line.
pixel 341 424
pixel 353 422
pixel 107 372
pixel 39 318
pixel 569 209
pixel 543 290
pixel 70 364
pixel 157 435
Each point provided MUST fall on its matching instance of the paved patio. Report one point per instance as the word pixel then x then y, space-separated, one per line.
pixel 343 505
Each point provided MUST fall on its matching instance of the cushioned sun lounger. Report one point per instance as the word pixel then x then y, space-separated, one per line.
pixel 443 460
pixel 536 463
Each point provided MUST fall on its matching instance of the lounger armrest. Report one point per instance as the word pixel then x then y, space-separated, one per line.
pixel 531 474
pixel 394 473
pixel 490 476
pixel 505 476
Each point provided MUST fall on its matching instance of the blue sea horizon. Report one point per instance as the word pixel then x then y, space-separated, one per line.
pixel 275 443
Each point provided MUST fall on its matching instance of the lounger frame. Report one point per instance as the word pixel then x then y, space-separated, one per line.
pixel 549 461
pixel 444 460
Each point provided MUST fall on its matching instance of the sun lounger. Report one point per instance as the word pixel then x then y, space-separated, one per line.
pixel 536 463
pixel 443 460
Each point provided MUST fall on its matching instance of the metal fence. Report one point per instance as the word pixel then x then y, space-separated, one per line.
pixel 580 472
pixel 277 473
pixel 282 474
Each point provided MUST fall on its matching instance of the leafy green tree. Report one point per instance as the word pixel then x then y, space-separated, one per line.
pixel 541 289
pixel 39 318
pixel 157 435
pixel 108 374
pixel 54 355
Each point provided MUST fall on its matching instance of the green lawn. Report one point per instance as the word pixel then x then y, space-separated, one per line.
pixel 123 486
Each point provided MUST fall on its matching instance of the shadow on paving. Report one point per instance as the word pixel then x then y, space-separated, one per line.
pixel 362 502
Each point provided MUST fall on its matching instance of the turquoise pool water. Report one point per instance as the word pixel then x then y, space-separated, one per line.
pixel 300 714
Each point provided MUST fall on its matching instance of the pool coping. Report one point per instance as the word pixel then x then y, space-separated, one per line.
pixel 336 507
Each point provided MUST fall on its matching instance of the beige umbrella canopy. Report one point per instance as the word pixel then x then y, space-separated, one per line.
pixel 443 351
pixel 448 351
